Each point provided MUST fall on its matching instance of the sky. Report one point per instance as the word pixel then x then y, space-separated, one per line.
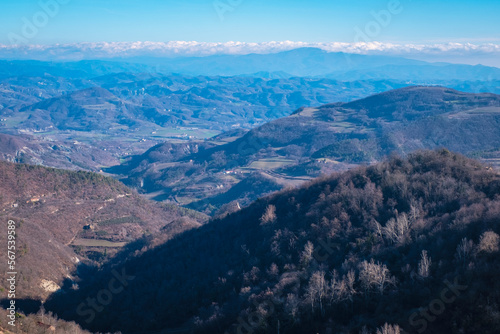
pixel 422 22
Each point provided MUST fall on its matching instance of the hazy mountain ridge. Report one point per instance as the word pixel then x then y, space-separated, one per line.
pixel 298 62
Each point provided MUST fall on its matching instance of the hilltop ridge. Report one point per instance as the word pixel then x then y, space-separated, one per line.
pixel 366 247
pixel 317 140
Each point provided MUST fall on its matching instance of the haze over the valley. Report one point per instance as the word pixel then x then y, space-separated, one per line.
pixel 237 166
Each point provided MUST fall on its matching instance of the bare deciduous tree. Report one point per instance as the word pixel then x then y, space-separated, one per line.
pixel 340 290
pixel 269 215
pixel 389 329
pixel 424 265
pixel 489 242
pixel 464 250
pixel 316 290
pixel 273 270
pixel 375 276
pixel 397 230
pixel 307 254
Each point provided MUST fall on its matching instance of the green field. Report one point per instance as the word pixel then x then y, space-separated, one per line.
pixel 121 220
pixel 96 243
pixel 271 163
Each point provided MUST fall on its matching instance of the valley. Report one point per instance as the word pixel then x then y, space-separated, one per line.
pixel 316 141
pixel 314 191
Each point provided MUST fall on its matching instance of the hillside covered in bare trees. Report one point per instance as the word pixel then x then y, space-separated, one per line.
pixel 404 245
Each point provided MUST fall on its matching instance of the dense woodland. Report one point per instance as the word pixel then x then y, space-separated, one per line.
pixel 409 244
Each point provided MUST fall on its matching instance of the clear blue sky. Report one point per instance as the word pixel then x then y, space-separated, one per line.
pixel 421 21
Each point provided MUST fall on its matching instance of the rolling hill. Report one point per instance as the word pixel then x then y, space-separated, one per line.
pixel 95 122
pixel 128 101
pixel 65 218
pixel 319 140
pixel 63 154
pixel 408 244
pixel 101 112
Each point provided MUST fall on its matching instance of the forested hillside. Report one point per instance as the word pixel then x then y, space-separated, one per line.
pixel 316 141
pixel 409 243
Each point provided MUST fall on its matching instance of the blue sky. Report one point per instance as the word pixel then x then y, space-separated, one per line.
pixel 424 21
